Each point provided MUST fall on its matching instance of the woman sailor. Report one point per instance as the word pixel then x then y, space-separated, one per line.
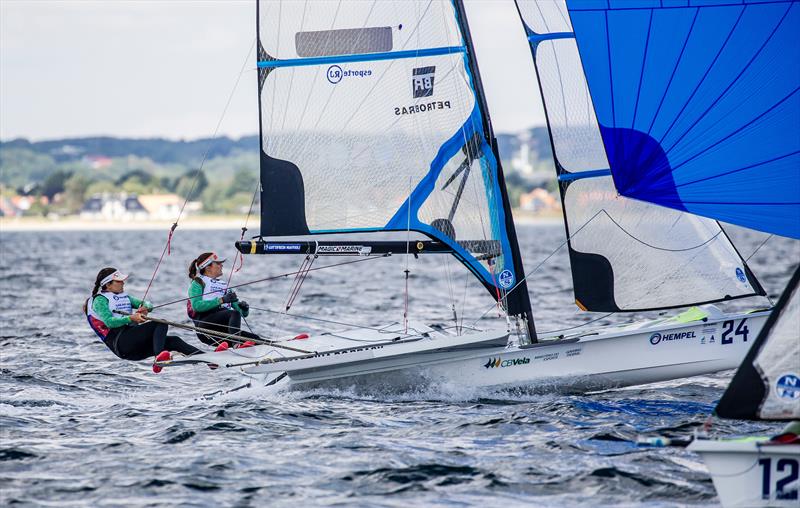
pixel 213 306
pixel 126 332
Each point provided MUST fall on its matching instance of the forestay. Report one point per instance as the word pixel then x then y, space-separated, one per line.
pixel 625 254
pixel 369 122
pixel 767 384
pixel 698 104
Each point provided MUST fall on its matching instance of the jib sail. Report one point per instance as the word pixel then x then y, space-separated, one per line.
pixel 625 254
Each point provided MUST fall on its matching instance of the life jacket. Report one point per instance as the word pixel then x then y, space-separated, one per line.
pixel 212 289
pixel 116 302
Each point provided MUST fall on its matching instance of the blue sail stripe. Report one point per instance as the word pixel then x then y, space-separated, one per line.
pixel 366 57
pixel 536 38
pixel 594 173
pixel 737 170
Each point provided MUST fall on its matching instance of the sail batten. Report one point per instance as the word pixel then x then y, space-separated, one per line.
pixel 367 57
pixel 626 254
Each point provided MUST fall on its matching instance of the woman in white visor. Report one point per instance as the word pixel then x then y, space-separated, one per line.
pixel 120 320
pixel 213 306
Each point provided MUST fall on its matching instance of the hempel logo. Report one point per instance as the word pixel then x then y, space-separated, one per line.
pixel 494 363
pixel 657 337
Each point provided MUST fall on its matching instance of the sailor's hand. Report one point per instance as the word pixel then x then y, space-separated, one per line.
pixel 138 318
pixel 244 306
pixel 142 310
pixel 230 297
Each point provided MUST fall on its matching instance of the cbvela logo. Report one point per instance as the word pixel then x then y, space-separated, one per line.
pixel 740 275
pixel 495 363
pixel 657 337
pixel 335 73
pixel 422 81
pixel 506 279
pixel 788 387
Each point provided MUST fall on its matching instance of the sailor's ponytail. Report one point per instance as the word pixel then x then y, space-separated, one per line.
pixel 193 272
pixel 102 274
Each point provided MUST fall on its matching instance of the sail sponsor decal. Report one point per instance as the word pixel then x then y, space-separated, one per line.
pixel 344 250
pixel 740 275
pixel 658 338
pixel 788 387
pixel 282 247
pixel 506 279
pixel 335 73
pixel 422 79
pixel 495 363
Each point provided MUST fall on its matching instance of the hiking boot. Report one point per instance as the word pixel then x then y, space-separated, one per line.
pixel 247 343
pixel 223 346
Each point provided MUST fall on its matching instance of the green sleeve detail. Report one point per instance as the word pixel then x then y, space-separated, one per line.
pixel 196 297
pixel 239 309
pixel 100 308
pixel 136 303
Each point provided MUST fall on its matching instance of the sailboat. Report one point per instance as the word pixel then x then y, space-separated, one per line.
pixel 698 106
pixel 374 122
pixel 760 471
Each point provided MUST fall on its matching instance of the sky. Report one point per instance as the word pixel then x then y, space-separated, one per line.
pixel 146 68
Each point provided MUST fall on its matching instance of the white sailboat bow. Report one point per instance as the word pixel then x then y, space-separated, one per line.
pixel 373 120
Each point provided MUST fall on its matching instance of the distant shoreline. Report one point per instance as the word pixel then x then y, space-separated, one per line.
pixel 15 224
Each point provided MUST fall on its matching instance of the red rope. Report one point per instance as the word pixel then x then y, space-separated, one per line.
pixel 167 250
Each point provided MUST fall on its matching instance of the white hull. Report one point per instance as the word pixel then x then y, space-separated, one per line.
pixel 752 472
pixel 604 358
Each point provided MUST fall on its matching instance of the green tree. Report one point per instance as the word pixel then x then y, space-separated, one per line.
pixel 100 187
pixel 75 192
pixel 244 181
pixel 185 183
pixel 55 183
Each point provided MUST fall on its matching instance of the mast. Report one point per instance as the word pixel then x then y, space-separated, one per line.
pixel 518 303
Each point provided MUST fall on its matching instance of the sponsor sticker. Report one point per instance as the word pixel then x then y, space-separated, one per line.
pixel 344 250
pixel 283 247
pixel 657 338
pixel 422 81
pixel 335 73
pixel 788 387
pixel 496 363
pixel 506 279
pixel 740 275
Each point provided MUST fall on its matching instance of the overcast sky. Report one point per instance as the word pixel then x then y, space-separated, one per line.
pixel 143 68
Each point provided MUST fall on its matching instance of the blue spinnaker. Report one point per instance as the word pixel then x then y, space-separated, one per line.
pixel 698 104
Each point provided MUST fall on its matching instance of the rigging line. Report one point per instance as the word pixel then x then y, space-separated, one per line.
pixel 166 249
pixel 578 326
pixel 570 237
pixel 758 248
pixel 406 271
pixel 279 276
pixel 351 325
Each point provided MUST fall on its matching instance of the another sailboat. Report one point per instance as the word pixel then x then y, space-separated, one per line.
pixel 760 471
pixel 698 105
pixel 373 120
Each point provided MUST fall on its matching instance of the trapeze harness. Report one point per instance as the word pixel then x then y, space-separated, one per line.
pixel 212 289
pixel 117 302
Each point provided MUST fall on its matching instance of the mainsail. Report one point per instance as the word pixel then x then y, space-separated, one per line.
pixel 767 384
pixel 698 104
pixel 372 120
pixel 625 254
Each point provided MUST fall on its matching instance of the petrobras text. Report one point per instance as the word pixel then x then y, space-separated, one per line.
pixel 423 107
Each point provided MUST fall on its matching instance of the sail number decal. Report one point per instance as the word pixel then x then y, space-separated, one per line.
pixel 783 484
pixel 728 331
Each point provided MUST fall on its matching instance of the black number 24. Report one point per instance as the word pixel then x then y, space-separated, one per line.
pixel 727 329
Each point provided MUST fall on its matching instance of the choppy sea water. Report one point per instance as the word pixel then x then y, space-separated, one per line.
pixel 80 427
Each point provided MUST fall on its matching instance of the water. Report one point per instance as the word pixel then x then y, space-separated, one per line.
pixel 78 426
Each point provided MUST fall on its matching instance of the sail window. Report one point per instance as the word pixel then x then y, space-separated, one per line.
pixel 346 41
